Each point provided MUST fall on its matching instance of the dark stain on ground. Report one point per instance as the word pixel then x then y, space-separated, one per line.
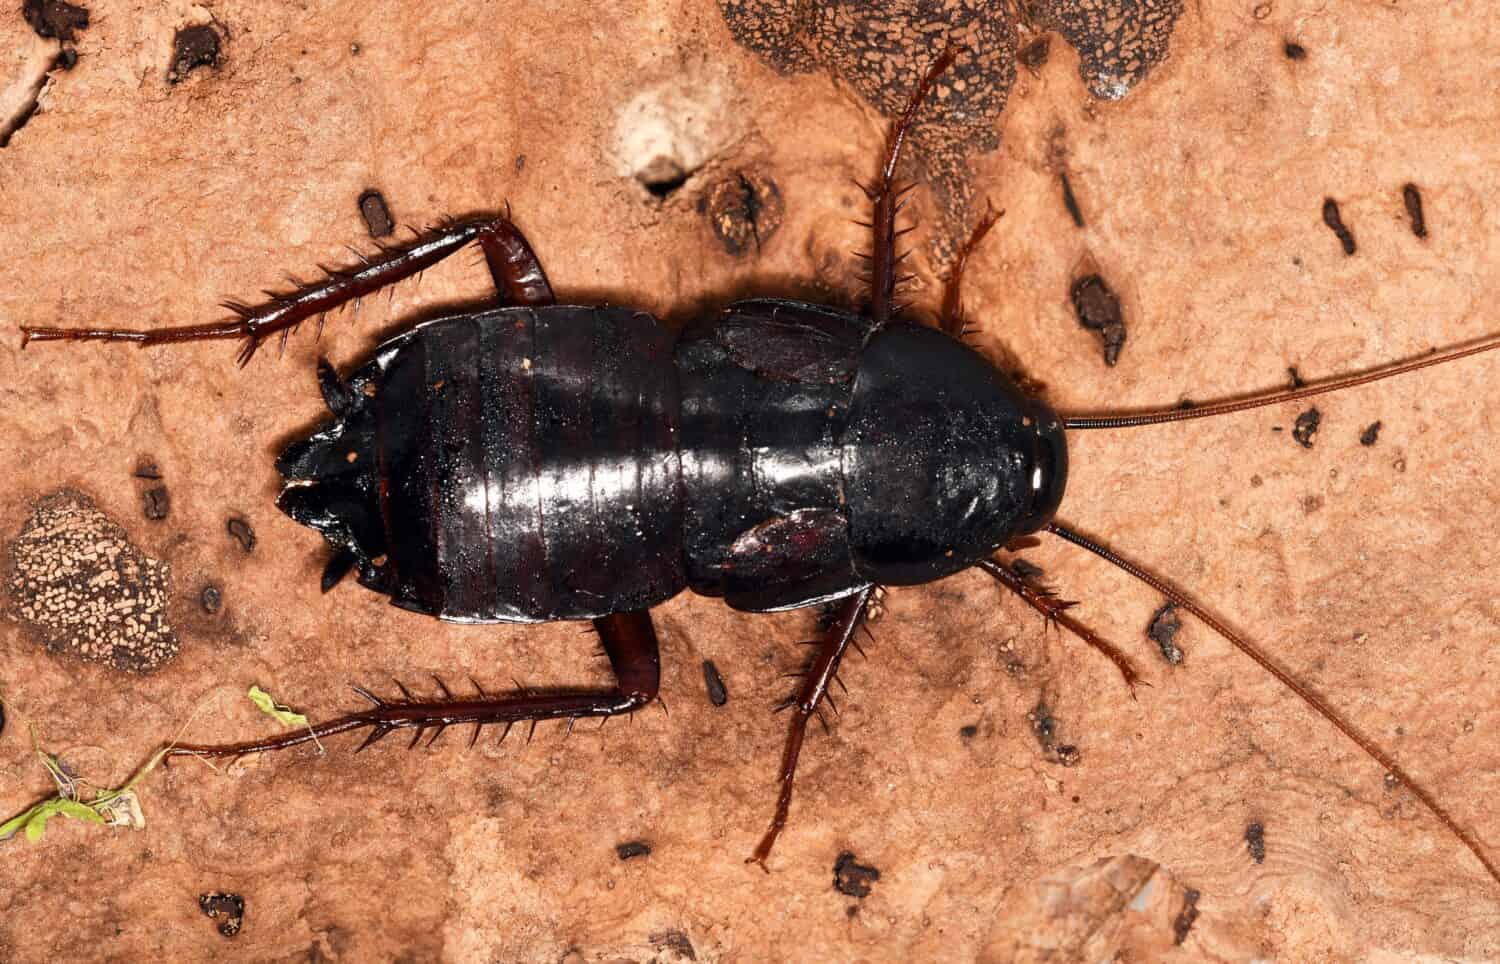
pixel 1412 198
pixel 1335 222
pixel 675 941
pixel 211 599
pixel 1099 310
pixel 55 19
pixel 1033 56
pixel 227 909
pixel 67 59
pixel 1044 725
pixel 882 49
pixel 1163 629
pixel 1307 427
pixel 852 878
pixel 146 469
pixel 239 529
pixel 1295 377
pixel 1070 201
pixel 1294 51
pixel 193 47
pixel 1370 435
pixel 1186 917
pixel 632 848
pixel 157 503
pixel 717 694
pixel 377 214
pixel 744 208
pixel 76 581
pixel 1255 842
pixel 968 732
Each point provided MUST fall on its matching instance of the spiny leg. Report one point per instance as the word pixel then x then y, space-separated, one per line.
pixel 1055 611
pixel 517 273
pixel 824 668
pixel 952 319
pixel 629 639
pixel 888 199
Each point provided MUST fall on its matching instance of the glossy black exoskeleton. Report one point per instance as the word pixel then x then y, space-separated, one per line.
pixel 540 462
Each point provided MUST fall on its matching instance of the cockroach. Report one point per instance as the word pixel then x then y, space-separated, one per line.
pixel 538 461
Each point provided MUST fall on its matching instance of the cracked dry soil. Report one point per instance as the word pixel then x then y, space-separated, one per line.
pixel 130 199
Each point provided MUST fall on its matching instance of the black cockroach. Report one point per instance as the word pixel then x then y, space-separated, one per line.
pixel 539 462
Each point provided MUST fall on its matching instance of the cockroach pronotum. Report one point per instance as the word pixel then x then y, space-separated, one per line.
pixel 538 462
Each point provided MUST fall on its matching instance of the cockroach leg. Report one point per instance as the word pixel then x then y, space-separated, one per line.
pixel 333 388
pixel 629 639
pixel 1270 665
pixel 888 198
pixel 337 568
pixel 850 615
pixel 952 319
pixel 1055 611
pixel 517 272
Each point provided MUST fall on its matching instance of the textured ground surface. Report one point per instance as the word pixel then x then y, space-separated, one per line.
pixel 1369 570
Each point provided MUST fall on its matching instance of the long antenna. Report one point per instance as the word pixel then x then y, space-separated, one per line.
pixel 1268 664
pixel 1224 408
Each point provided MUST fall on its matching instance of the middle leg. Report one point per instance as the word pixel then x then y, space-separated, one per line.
pixel 850 616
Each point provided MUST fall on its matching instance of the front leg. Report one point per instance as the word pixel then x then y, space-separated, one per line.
pixel 517 272
pixel 850 616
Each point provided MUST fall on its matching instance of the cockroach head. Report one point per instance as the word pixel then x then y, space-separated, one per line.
pixel 331 482
pixel 945 459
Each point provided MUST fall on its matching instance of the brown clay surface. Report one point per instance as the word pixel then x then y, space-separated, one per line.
pixel 1368 570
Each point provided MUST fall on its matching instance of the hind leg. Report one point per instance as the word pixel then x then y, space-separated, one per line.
pixel 629 639
pixel 517 272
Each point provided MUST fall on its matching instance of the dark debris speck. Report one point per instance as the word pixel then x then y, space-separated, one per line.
pixel 376 214
pixel 1294 51
pixel 1070 201
pixel 1255 842
pixel 1335 222
pixel 211 599
pixel 229 907
pixel 1044 727
pixel 1370 435
pixel 1163 629
pixel 631 849
pixel 1098 310
pixel 157 503
pixel 1307 427
pixel 852 878
pixel 968 732
pixel 1186 917
pixel 1412 199
pixel 193 47
pixel 717 694
pixel 240 530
